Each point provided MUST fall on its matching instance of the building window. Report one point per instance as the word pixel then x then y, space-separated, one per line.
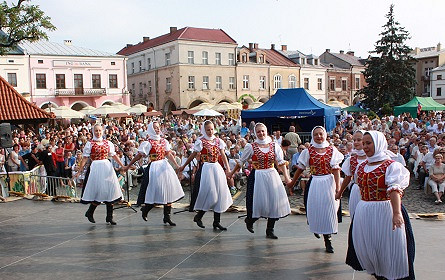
pixel 357 83
pixel 205 58
pixel 12 61
pixel 149 86
pixel 168 84
pixel 148 64
pixel 292 81
pixel 428 71
pixel 133 89
pixel 60 81
pixel 306 83
pixel 113 63
pixel 246 82
pixel 113 80
pixel 320 84
pixel 277 81
pixel 262 82
pixel 244 58
pixel 96 81
pixel 205 82
pixel 343 85
pixel 140 65
pixel 40 61
pixel 191 82
pixel 12 79
pixel 332 84
pixel 218 58
pixel 218 82
pixel 439 91
pixel 191 57
pixel 231 59
pixel 167 59
pixel 315 61
pixel 132 68
pixel 141 90
pixel 439 77
pixel 231 82
pixel 261 59
pixel 40 81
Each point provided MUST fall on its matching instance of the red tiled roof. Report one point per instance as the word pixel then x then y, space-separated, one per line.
pixel 186 33
pixel 273 57
pixel 14 107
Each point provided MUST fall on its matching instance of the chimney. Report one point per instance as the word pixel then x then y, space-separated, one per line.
pixel 350 53
pixel 67 42
pixel 145 39
pixel 129 45
pixel 251 47
pixel 439 45
pixel 272 46
pixel 255 46
pixel 328 50
pixel 173 29
pixel 284 47
pixel 342 52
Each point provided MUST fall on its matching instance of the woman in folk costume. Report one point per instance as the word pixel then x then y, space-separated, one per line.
pixel 324 162
pixel 102 184
pixel 349 167
pixel 266 195
pixel 382 241
pixel 210 191
pixel 160 184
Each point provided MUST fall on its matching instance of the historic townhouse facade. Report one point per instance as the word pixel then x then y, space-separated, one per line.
pixel 182 69
pixel 426 60
pixel 62 74
pixel 312 73
pixel 437 77
pixel 344 76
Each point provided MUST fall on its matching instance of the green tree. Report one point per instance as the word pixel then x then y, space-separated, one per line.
pixel 389 75
pixel 22 22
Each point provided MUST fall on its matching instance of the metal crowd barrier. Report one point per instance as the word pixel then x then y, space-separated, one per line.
pixel 304 136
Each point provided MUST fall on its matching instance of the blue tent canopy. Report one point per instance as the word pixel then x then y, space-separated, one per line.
pixel 296 103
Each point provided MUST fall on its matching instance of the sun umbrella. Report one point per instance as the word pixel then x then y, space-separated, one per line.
pixel 335 103
pixel 237 105
pixel 107 109
pixel 223 107
pixel 207 113
pixel 63 112
pixel 255 105
pixel 86 110
pixel 137 109
pixel 120 106
pixel 203 106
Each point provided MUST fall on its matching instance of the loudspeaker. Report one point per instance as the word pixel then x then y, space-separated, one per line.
pixel 5 135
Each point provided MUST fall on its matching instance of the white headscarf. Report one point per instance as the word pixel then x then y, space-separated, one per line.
pixel 266 140
pixel 360 153
pixel 203 131
pixel 325 143
pixel 380 147
pixel 152 133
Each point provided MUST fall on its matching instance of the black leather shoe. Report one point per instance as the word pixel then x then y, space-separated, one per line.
pixel 198 221
pixel 217 225
pixel 249 225
pixel 169 221
pixel 270 234
pixel 317 235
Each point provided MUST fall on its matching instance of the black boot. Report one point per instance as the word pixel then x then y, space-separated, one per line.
pixel 216 221
pixel 167 211
pixel 145 209
pixel 317 235
pixel 109 218
pixel 249 224
pixel 269 229
pixel 90 212
pixel 198 218
pixel 327 243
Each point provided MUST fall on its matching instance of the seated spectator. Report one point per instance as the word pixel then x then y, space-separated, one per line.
pixel 398 157
pixel 437 178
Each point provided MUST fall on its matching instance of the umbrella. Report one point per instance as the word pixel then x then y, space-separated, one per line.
pixel 237 105
pixel 87 109
pixel 203 105
pixel 255 105
pixel 63 112
pixel 335 103
pixel 107 109
pixel 207 113
pixel 137 109
pixel 354 109
pixel 223 107
pixel 120 106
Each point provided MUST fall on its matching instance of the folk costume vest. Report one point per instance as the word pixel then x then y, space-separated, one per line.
pixel 372 185
pixel 262 160
pixel 210 152
pixel 157 151
pixel 320 164
pixel 99 152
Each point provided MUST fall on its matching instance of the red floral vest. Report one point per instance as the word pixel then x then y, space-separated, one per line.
pixel 372 185
pixel 210 152
pixel 262 160
pixel 99 152
pixel 320 164
pixel 157 151
pixel 353 163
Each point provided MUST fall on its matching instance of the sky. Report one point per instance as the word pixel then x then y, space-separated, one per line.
pixel 308 26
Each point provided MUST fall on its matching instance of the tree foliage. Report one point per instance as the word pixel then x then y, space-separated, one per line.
pixel 22 22
pixel 389 75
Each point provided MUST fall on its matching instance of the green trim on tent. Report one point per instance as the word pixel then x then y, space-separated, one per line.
pixel 428 104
